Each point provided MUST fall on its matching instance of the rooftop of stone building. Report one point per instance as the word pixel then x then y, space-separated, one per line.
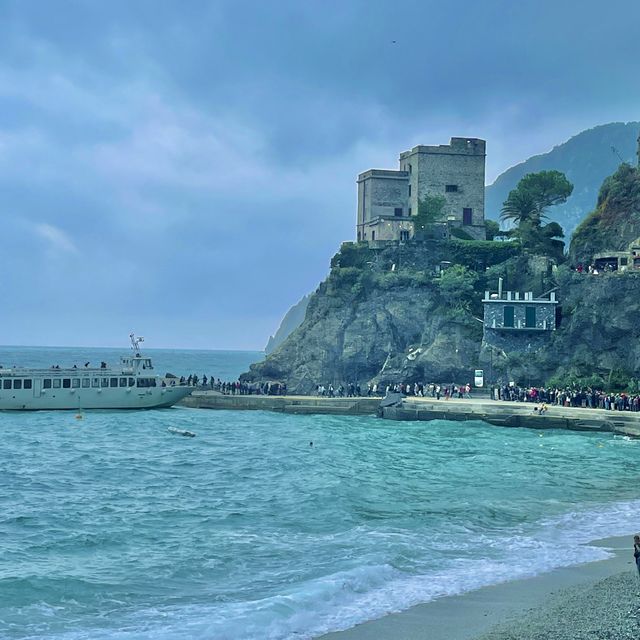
pixel 457 146
pixel 382 173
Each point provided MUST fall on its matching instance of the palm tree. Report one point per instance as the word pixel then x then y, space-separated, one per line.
pixel 521 207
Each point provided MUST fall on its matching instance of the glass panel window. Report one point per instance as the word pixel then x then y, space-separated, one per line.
pixel 123 382
pixel 95 382
pixel 56 383
pixel 451 188
pixel 132 382
pixel 66 383
pixel 114 382
pixel 17 384
pixel 75 383
pixel 104 382
pixel 86 383
pixel 397 212
pixel 46 383
pixel 530 317
pixel 6 384
pixel 509 316
pixel 28 384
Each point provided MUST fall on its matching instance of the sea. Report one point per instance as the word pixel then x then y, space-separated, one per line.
pixel 270 526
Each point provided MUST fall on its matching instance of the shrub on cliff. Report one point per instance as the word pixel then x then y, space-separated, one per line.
pixel 615 223
pixel 457 286
pixel 480 254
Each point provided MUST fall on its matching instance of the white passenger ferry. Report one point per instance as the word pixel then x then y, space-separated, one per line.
pixel 132 385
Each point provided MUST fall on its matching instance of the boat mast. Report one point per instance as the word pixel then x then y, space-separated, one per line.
pixel 135 343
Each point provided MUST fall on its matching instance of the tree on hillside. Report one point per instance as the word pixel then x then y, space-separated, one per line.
pixel 492 229
pixel 533 196
pixel 430 211
pixel 527 206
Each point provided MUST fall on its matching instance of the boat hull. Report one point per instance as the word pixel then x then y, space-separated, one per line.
pixel 77 399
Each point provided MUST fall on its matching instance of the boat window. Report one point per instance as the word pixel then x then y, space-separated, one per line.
pixel 104 382
pixel 132 382
pixel 95 382
pixel 123 382
pixel 75 383
pixel 46 383
pixel 28 384
pixel 6 384
pixel 86 383
pixel 114 382
pixel 17 384
pixel 66 383
pixel 146 382
pixel 56 383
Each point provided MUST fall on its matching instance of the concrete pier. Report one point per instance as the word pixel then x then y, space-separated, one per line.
pixel 499 413
pixel 516 414
pixel 284 404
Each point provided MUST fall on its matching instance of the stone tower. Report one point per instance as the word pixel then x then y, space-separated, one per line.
pixel 388 199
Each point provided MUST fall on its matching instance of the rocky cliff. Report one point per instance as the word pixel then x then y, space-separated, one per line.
pixel 597 342
pixel 412 312
pixel 291 321
pixel 615 223
pixel 387 315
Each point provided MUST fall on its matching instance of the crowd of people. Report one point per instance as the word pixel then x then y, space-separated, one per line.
pixel 236 387
pixel 592 269
pixel 539 396
pixel 590 398
pixel 418 389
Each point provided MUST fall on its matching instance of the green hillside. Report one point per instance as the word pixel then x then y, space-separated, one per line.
pixel 586 159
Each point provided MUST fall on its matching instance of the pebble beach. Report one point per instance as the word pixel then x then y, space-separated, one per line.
pixel 605 610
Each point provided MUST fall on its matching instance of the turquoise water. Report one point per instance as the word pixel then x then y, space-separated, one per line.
pixel 112 527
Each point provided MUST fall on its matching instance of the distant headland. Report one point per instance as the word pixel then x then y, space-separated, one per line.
pixel 431 291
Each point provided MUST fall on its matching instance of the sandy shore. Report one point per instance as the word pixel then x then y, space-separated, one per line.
pixel 595 601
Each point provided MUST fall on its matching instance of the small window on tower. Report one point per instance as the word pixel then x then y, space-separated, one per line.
pixel 409 190
pixel 467 216
pixel 451 188
pixel 397 212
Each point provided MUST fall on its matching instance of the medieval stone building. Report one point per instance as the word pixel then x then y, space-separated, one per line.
pixel 388 199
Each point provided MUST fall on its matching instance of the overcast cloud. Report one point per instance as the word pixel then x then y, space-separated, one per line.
pixel 187 169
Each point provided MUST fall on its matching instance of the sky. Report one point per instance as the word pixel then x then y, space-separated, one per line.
pixel 186 169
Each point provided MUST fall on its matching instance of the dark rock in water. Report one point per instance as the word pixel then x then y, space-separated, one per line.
pixel 181 432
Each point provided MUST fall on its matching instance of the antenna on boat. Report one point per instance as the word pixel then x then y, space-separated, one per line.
pixel 135 343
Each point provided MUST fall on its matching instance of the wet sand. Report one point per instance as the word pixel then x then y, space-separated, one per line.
pixel 596 600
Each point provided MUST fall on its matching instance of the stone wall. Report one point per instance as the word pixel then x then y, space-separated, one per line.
pixel 545 315
pixel 380 193
pixel 460 164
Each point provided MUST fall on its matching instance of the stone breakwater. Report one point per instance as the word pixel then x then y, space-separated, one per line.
pixel 499 413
